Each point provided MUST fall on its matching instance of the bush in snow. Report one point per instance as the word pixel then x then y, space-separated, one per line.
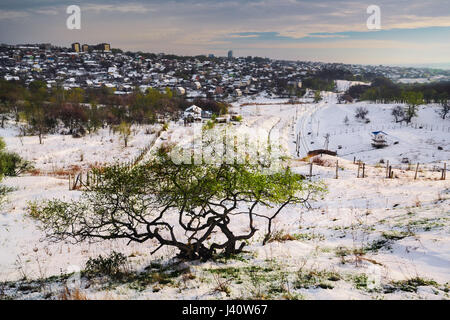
pixel 398 113
pixel 346 121
pixel 11 164
pixel 361 113
pixel 4 169
pixel 111 265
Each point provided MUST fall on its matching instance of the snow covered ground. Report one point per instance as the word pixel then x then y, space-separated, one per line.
pixel 419 142
pixel 371 238
pixel 63 152
pixel 343 85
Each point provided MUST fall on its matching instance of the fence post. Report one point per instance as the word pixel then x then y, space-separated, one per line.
pixel 359 167
pixel 69 183
pixel 364 170
pixel 310 170
pixel 417 170
pixel 444 172
pixel 387 169
pixel 337 169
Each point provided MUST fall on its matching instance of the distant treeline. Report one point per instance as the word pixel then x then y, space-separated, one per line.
pixel 46 110
pixel 383 90
pixel 324 80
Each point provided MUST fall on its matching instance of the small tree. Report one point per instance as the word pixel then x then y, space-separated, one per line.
pixel 398 114
pixel 3 118
pixel 361 113
pixel 11 164
pixel 189 207
pixel 4 170
pixel 445 107
pixel 413 100
pixel 124 129
pixel 317 97
pixel 346 121
pixel 38 121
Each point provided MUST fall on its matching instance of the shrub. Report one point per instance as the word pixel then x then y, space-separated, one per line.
pixel 13 165
pixel 3 192
pixel 139 204
pixel 361 113
pixel 209 125
pixel 111 265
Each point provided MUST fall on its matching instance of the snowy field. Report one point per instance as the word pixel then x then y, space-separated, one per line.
pixel 371 238
pixel 418 142
pixel 63 152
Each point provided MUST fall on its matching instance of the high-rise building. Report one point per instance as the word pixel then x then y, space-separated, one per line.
pixel 76 47
pixel 104 47
pixel 85 48
pixel 230 54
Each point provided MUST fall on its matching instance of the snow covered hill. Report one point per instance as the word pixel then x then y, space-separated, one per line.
pixel 371 238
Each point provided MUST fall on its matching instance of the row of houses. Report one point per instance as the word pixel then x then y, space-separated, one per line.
pixel 192 77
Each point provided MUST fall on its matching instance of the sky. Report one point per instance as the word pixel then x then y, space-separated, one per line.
pixel 412 31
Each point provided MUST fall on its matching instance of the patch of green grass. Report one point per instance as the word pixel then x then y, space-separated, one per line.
pixel 410 285
pixel 243 257
pixel 282 236
pixel 238 272
pixel 316 279
pixel 361 281
pixel 268 281
pixel 386 241
pixel 309 236
pixel 140 281
pixel 378 245
pixel 426 224
pixel 396 235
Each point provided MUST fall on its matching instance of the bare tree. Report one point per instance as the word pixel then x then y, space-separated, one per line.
pixel 361 113
pixel 445 109
pixel 346 121
pixel 398 114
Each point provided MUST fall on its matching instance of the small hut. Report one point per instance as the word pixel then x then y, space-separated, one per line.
pixel 379 139
pixel 193 113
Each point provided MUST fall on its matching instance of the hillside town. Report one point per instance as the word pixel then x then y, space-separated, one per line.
pixel 225 78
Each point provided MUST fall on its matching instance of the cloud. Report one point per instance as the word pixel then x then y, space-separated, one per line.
pixel 248 26
pixel 11 14
pixel 47 11
pixel 126 8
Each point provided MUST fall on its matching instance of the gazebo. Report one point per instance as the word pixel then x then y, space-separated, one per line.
pixel 379 139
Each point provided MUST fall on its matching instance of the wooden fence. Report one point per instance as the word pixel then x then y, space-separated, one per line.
pixel 90 178
pixel 436 172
